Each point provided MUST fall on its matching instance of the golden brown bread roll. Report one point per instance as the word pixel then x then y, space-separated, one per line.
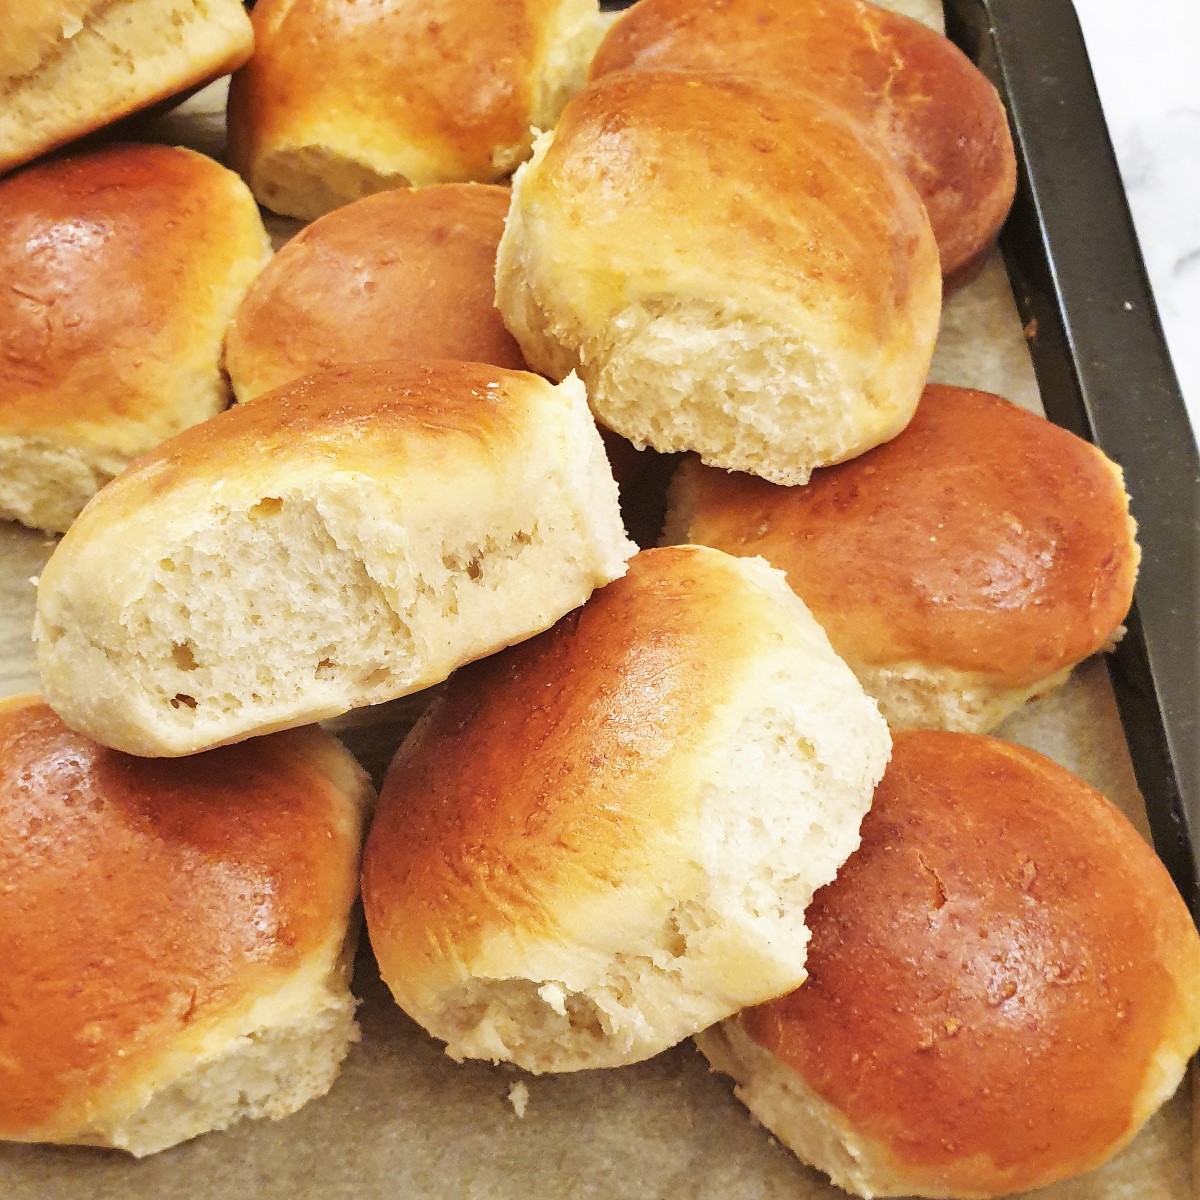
pixel 176 937
pixel 1003 985
pixel 122 270
pixel 583 850
pixel 344 99
pixel 347 539
pixel 404 274
pixel 911 88
pixel 68 67
pixel 960 569
pixel 685 244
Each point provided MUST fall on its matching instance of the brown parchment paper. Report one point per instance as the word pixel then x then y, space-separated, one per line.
pixel 404 1121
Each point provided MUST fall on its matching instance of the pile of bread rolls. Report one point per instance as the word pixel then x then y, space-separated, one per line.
pixel 737 785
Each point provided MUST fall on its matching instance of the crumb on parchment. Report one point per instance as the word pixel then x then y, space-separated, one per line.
pixel 518 1097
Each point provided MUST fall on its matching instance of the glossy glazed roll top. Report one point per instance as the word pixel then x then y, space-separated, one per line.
pixel 909 87
pixel 157 918
pixel 404 274
pixel 971 561
pixel 123 268
pixel 1003 985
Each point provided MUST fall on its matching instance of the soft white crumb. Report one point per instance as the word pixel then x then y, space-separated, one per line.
pixel 555 996
pixel 518 1097
pixel 35 580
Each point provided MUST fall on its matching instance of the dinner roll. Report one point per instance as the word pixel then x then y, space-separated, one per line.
pixel 72 66
pixel 122 270
pixel 404 274
pixel 347 539
pixel 603 840
pixel 344 99
pixel 909 87
pixel 176 937
pixel 730 270
pixel 959 570
pixel 1003 985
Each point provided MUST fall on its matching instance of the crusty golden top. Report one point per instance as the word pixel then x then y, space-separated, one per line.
pixel 455 79
pixel 915 90
pixel 993 973
pixel 145 899
pixel 115 264
pixel 403 274
pixel 550 771
pixel 983 538
pixel 710 188
pixel 377 418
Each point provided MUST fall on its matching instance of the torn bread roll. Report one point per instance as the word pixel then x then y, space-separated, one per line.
pixel 176 937
pixel 908 86
pixel 348 539
pixel 403 274
pixel 73 66
pixel 959 570
pixel 122 268
pixel 731 270
pixel 603 840
pixel 342 99
pixel 1003 985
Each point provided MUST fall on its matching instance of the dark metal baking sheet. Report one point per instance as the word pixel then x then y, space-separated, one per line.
pixel 1105 373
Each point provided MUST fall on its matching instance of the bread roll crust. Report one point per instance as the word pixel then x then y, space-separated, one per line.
pixel 404 274
pixel 1003 982
pixel 983 541
pixel 682 242
pixel 100 252
pixel 124 267
pixel 572 865
pixel 148 906
pixel 910 87
pixel 438 93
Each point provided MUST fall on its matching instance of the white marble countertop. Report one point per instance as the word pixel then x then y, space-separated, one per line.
pixel 1144 57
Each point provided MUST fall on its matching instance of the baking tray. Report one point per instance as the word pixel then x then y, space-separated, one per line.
pixel 1104 372
pixel 405 1121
